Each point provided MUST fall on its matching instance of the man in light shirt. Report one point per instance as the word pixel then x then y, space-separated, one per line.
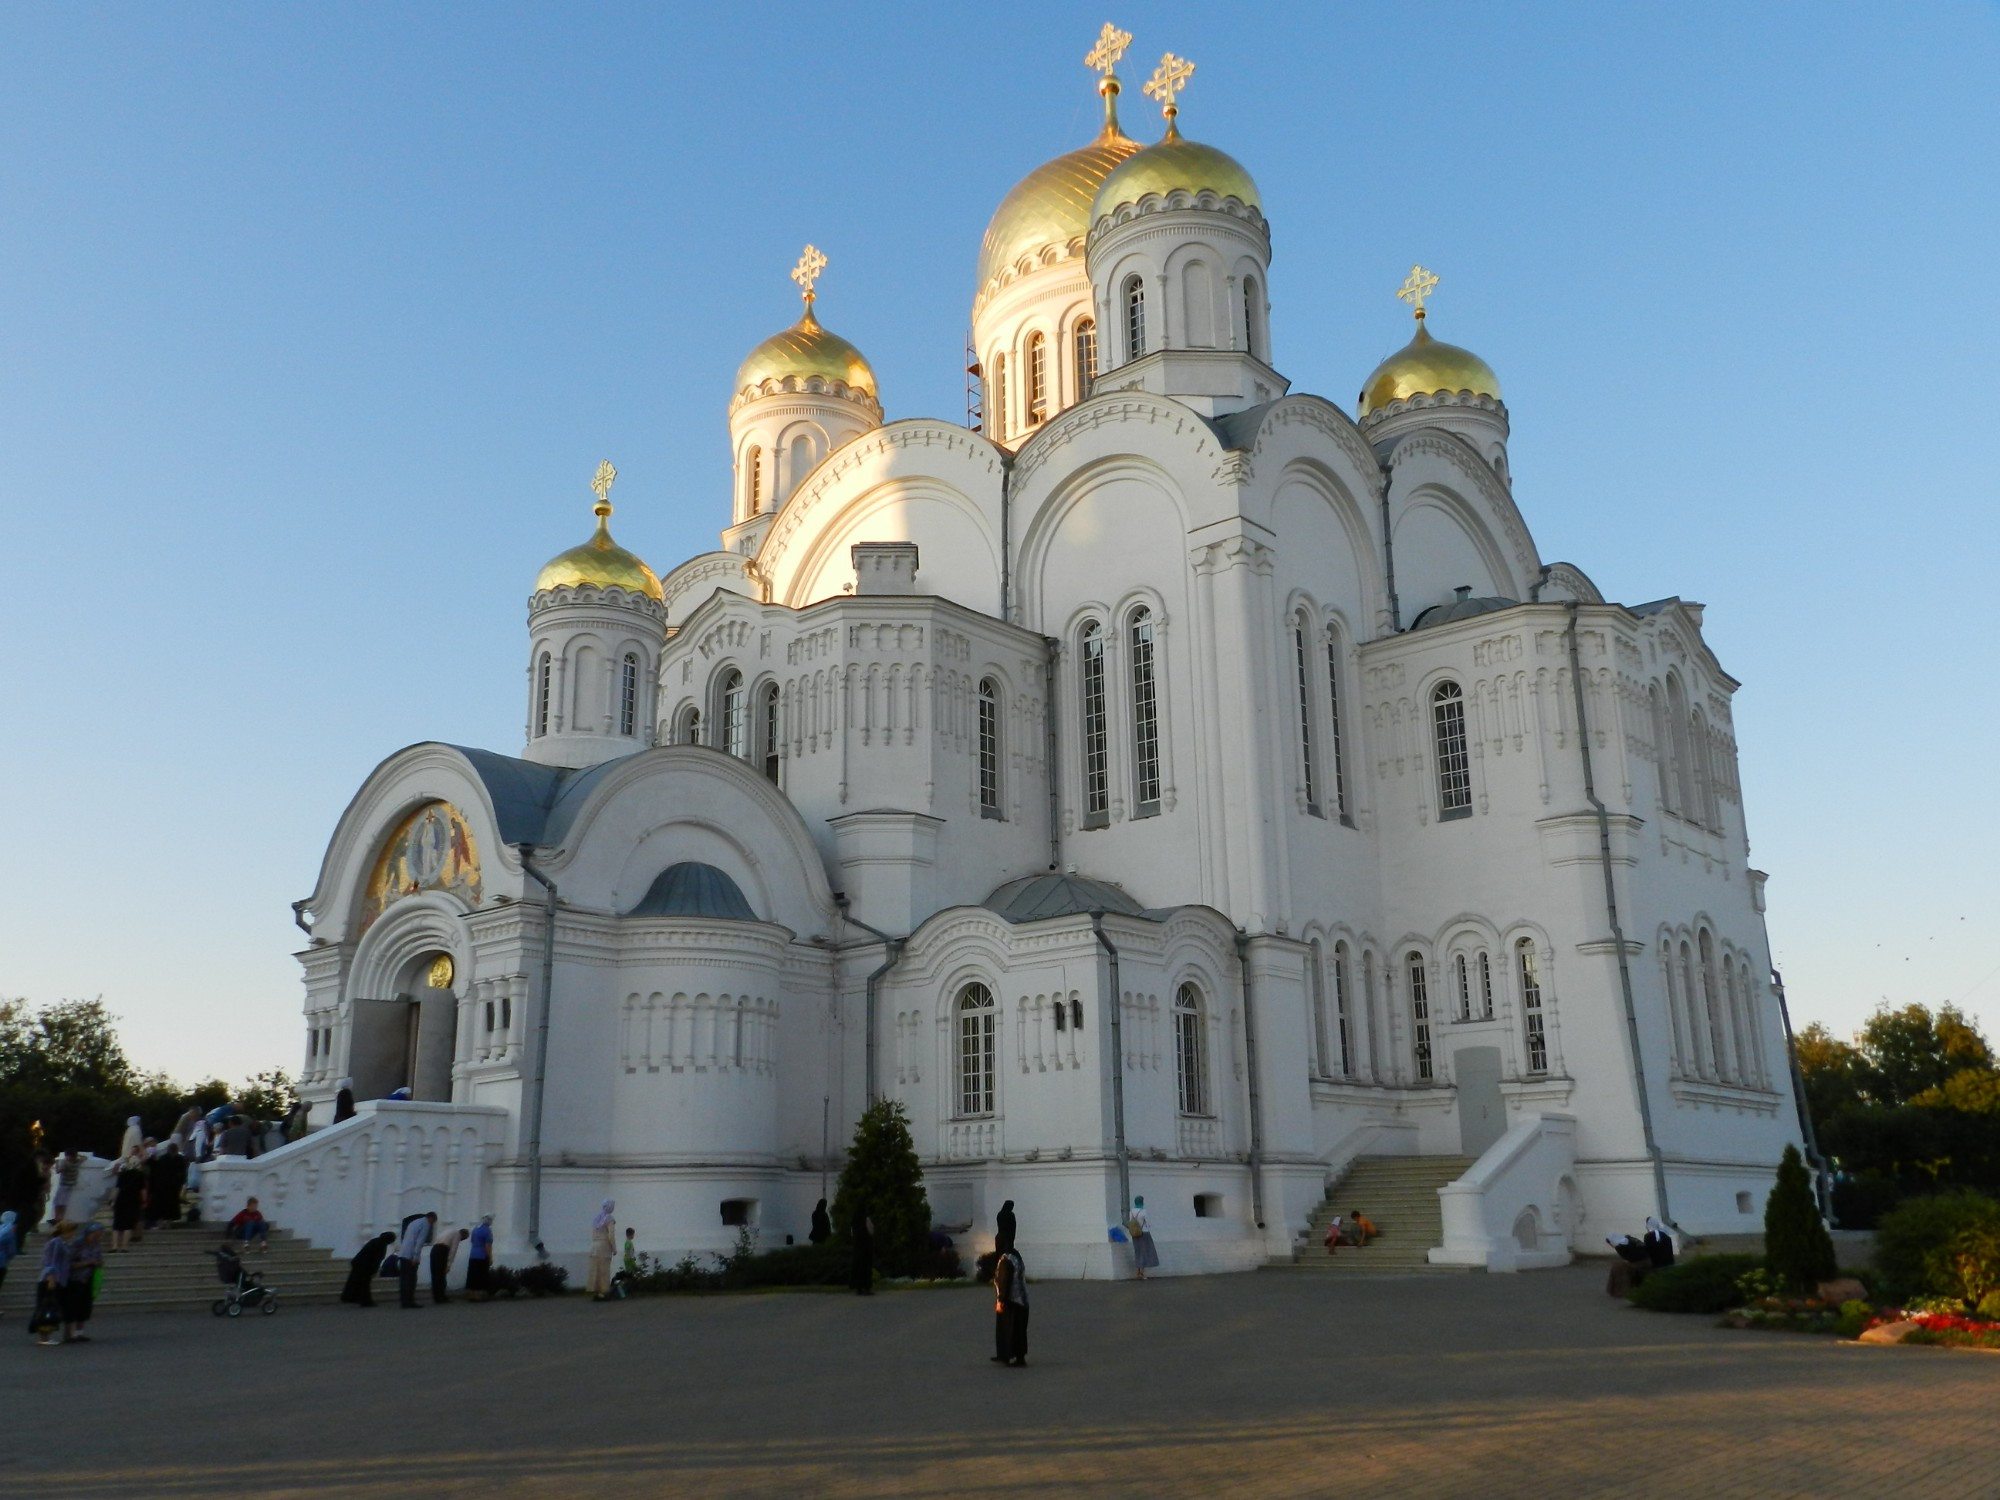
pixel 416 1235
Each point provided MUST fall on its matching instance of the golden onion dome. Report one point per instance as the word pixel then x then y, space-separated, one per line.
pixel 601 563
pixel 1425 367
pixel 1175 164
pixel 803 351
pixel 1050 207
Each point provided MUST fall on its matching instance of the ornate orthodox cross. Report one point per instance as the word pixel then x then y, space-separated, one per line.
pixel 1168 79
pixel 1420 285
pixel 1111 45
pixel 603 480
pixel 806 272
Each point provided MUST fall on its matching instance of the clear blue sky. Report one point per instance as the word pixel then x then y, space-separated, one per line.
pixel 314 321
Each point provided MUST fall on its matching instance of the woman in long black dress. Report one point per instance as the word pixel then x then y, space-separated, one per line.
pixel 361 1270
pixel 822 1225
pixel 129 1205
pixel 862 1273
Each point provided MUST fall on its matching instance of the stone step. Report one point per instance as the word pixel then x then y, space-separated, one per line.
pixel 172 1269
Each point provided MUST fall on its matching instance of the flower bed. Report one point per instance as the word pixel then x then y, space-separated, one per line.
pixel 1801 1315
pixel 1953 1329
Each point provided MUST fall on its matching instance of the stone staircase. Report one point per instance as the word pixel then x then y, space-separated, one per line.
pixel 1399 1193
pixel 170 1271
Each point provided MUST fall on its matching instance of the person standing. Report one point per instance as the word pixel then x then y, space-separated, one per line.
pixel 164 1178
pixel 68 1167
pixel 410 1253
pixel 479 1260
pixel 343 1101
pixel 363 1269
pixel 133 1139
pixel 51 1283
pixel 603 1233
pixel 822 1224
pixel 1140 1226
pixel 861 1269
pixel 86 1264
pixel 10 1242
pixel 1010 1305
pixel 1004 1225
pixel 443 1253
pixel 128 1204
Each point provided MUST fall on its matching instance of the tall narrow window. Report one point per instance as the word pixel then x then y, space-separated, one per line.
pixel 1301 654
pixel 1529 968
pixel 1145 717
pixel 1706 1048
pixel 628 695
pixel 998 415
pixel 1718 1025
pixel 1250 315
pixel 755 464
pixel 1485 987
pixel 1420 1015
pixel 1336 766
pixel 1343 1033
pixel 1190 1051
pixel 1322 1040
pixel 1663 751
pixel 1086 356
pixel 767 731
pixel 688 731
pixel 977 1018
pixel 1373 1014
pixel 1677 728
pixel 1096 737
pixel 989 749
pixel 1454 762
pixel 1038 379
pixel 735 712
pixel 544 669
pixel 802 462
pixel 1462 974
pixel 1135 318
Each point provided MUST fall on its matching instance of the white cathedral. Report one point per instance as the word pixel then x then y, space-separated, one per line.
pixel 1161 783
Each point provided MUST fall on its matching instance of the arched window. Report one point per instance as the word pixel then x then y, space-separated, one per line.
pixel 767 730
pixel 735 717
pixel 1485 987
pixel 1420 1014
pixel 1677 725
pixel 1663 752
pixel 1676 1012
pixel 1336 766
pixel 1705 1048
pixel 1145 717
pixel 1454 762
pixel 989 749
pixel 1373 1013
pixel 1250 315
pixel 1343 1032
pixel 1038 379
pixel 1301 654
pixel 1528 967
pixel 1197 306
pixel 977 1019
pixel 544 670
pixel 998 415
pixel 1096 737
pixel 1076 1015
pixel 1322 1040
pixel 1190 1051
pixel 1086 356
pixel 754 482
pixel 628 694
pixel 1462 973
pixel 1135 318
pixel 688 730
pixel 1711 998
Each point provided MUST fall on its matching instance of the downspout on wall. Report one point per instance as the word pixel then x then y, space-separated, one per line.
pixel 1117 1004
pixel 1050 747
pixel 1389 555
pixel 1256 1091
pixel 540 1084
pixel 1611 913
pixel 1822 1188
pixel 892 954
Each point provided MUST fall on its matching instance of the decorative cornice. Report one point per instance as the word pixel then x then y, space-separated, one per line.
pixel 812 385
pixel 1097 411
pixel 1180 199
pixel 1459 400
pixel 590 595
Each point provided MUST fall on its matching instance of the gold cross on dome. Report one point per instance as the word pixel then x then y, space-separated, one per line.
pixel 1111 45
pixel 1420 285
pixel 1168 79
pixel 806 272
pixel 602 481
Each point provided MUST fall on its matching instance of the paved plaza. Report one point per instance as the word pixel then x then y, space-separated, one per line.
pixel 1264 1385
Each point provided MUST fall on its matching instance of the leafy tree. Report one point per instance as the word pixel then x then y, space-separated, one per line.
pixel 267 1095
pixel 1971 1091
pixel 1831 1069
pixel 1909 1050
pixel 70 1044
pixel 1797 1248
pixel 883 1178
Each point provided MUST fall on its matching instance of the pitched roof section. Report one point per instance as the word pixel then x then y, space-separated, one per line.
pixel 1039 897
pixel 690 889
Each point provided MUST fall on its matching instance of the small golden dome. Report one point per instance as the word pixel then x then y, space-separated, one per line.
pixel 1425 367
pixel 1175 164
pixel 1051 205
pixel 803 351
pixel 601 563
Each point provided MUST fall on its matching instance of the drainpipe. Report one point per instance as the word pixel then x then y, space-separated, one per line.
pixel 1611 913
pixel 1256 1091
pixel 539 1087
pixel 892 953
pixel 1389 556
pixel 1117 1069
pixel 1049 748
pixel 1821 1188
pixel 1006 537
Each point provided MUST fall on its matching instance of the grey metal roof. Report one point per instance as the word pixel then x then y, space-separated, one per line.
pixel 1038 897
pixel 1464 607
pixel 689 889
pixel 533 803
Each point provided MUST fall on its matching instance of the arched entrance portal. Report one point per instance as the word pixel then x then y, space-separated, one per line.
pixel 408 1039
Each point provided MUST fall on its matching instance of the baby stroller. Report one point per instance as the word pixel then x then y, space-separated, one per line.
pixel 246 1288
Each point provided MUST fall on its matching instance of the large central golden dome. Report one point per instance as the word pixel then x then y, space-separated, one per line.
pixel 1051 205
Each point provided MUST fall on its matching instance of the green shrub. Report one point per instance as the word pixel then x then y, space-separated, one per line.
pixel 1706 1284
pixel 797 1265
pixel 543 1279
pixel 884 1178
pixel 1912 1232
pixel 1854 1318
pixel 1797 1248
pixel 1967 1266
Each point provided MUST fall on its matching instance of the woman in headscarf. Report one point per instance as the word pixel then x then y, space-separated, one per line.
pixel 479 1260
pixel 603 1241
pixel 183 1132
pixel 822 1225
pixel 1659 1244
pixel 1010 1303
pixel 134 1138
pixel 164 1177
pixel 364 1267
pixel 51 1282
pixel 861 1270
pixel 86 1263
pixel 129 1203
pixel 1003 1224
pixel 343 1101
pixel 1140 1227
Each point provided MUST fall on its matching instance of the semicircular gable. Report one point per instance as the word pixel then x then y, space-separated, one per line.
pixel 697 578
pixel 1444 461
pixel 1112 524
pixel 957 543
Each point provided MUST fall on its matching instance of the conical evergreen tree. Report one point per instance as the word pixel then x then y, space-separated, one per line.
pixel 1797 1248
pixel 884 1178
